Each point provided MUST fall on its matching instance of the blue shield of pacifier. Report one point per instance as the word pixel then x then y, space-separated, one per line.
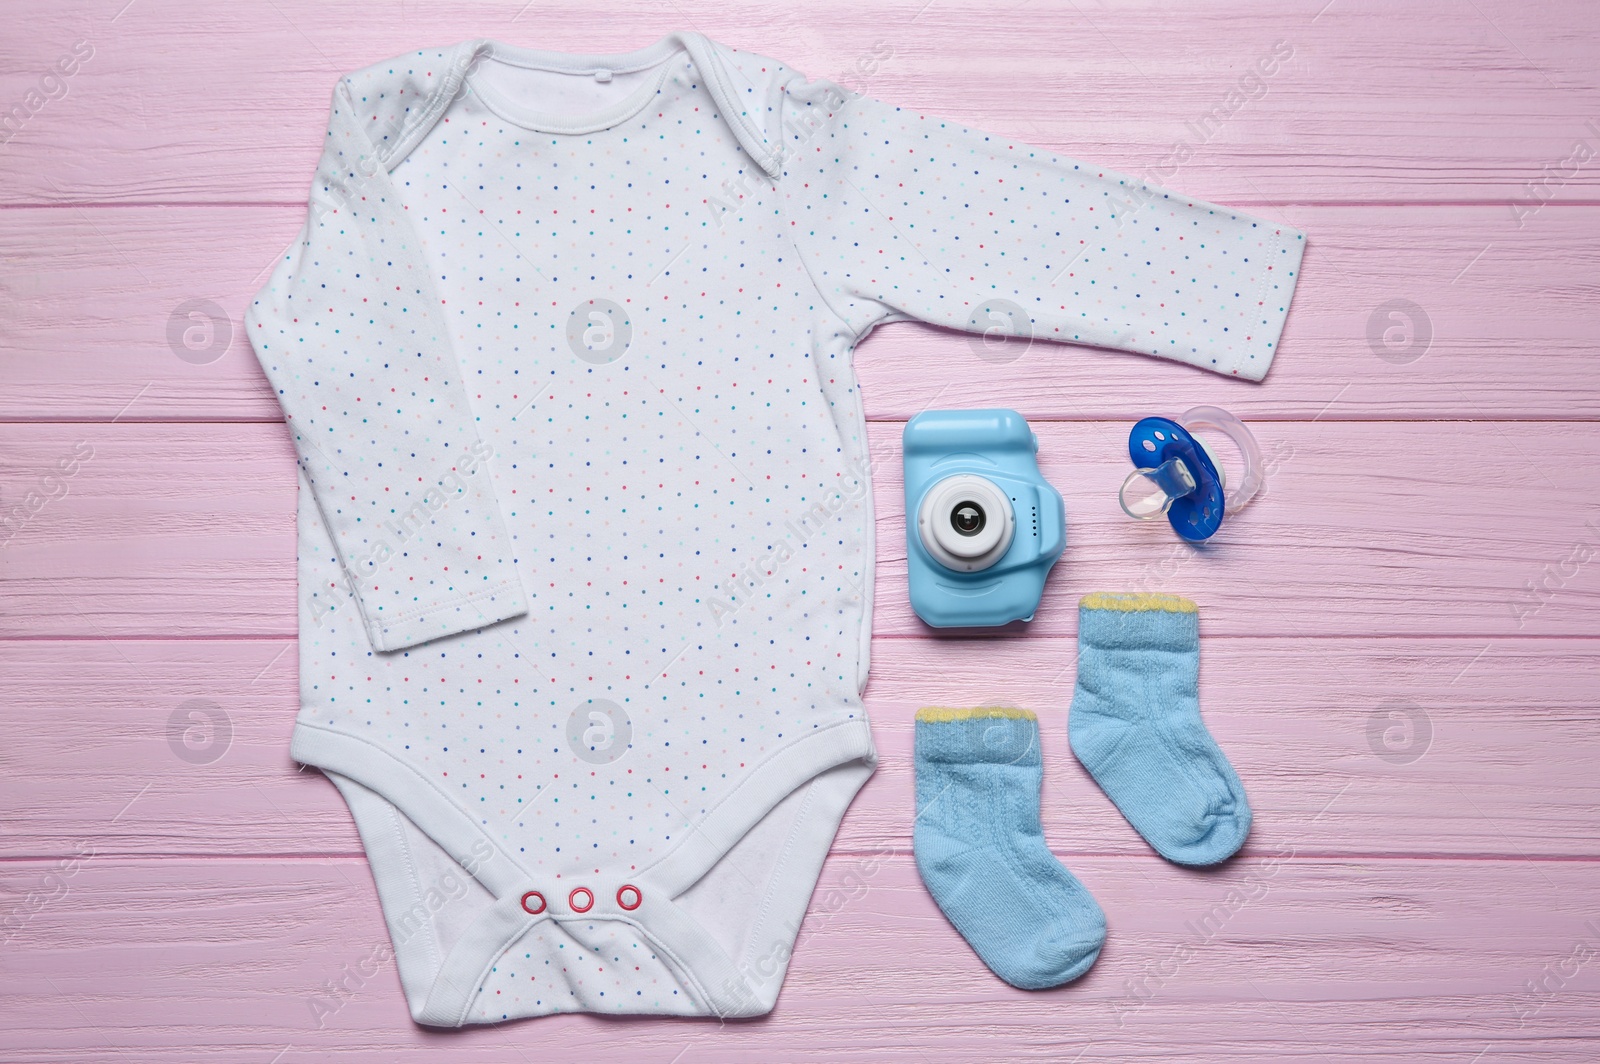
pixel 1174 474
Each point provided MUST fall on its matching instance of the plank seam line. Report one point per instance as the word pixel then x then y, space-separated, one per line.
pixel 903 853
pixel 1045 419
pixel 1274 635
pixel 1296 201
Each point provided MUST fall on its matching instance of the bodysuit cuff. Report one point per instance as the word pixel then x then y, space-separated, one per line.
pixel 452 616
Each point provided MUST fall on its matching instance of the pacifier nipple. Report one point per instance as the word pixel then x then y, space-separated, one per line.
pixel 1150 493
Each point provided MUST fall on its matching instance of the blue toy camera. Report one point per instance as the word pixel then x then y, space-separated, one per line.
pixel 983 527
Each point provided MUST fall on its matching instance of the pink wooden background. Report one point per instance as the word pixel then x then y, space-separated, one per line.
pixel 1400 640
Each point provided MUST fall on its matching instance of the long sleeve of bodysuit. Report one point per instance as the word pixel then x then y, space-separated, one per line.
pixel 901 215
pixel 353 338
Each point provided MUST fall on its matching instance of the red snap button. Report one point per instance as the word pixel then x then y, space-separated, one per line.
pixel 533 903
pixel 588 899
pixel 628 897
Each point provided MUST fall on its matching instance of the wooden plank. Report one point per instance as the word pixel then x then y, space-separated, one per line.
pixel 1352 746
pixel 1283 958
pixel 1393 528
pixel 1422 102
pixel 1504 328
pixel 156 521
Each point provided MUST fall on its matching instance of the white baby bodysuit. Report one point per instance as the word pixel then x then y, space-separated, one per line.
pixel 585 535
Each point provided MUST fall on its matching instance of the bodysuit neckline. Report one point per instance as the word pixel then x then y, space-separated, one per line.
pixel 658 56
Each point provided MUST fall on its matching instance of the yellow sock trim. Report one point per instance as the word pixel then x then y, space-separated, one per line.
pixel 1102 600
pixel 941 715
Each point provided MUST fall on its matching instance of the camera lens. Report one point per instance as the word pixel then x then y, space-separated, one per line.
pixel 968 518
pixel 965 522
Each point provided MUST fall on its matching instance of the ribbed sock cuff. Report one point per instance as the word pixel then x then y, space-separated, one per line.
pixel 988 734
pixel 1138 621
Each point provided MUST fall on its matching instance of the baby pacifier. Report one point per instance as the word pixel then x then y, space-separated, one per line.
pixel 1176 472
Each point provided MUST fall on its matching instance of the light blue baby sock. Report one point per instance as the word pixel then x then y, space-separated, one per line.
pixel 981 851
pixel 1135 725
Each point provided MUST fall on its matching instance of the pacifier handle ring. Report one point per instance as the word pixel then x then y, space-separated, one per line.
pixel 1200 418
